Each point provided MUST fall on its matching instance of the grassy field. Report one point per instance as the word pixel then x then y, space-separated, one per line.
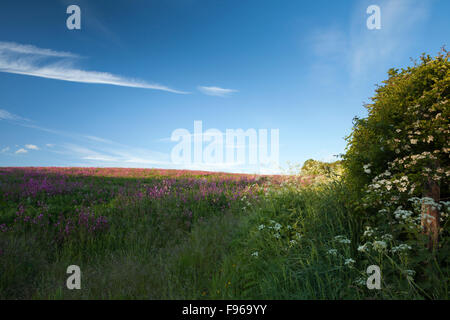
pixel 166 234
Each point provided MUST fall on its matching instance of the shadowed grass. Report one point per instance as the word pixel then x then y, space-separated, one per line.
pixel 276 246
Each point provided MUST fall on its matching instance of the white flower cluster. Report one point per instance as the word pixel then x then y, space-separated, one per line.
pixel 379 245
pixel 360 282
pixel 274 226
pixel 342 239
pixel 401 248
pixel 425 201
pixel 387 237
pixel 369 232
pixel 349 262
pixel 382 184
pixel 278 231
pixel 409 274
pixel 364 247
pixel 332 252
pixel 402 214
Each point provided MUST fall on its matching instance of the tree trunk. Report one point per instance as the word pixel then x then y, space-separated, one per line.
pixel 430 213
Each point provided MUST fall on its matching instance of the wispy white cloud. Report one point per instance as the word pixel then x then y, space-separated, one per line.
pixel 21 150
pixel 6 115
pixel 216 91
pixel 100 158
pixel 187 135
pixel 232 168
pixel 363 51
pixel 143 161
pixel 118 155
pixel 6 149
pixel 31 147
pixel 97 139
pixel 29 60
pixel 400 21
pixel 86 153
pixel 33 50
pixel 92 148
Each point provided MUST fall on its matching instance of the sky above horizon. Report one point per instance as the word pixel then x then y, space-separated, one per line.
pixel 112 93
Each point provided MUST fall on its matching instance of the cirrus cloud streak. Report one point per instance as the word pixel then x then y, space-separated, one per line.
pixel 29 60
pixel 216 91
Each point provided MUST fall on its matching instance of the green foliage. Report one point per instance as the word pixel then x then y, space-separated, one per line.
pixel 303 242
pixel 319 168
pixel 283 245
pixel 402 145
pixel 291 237
pixel 407 128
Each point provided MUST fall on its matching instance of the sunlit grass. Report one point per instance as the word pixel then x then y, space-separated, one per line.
pixel 202 238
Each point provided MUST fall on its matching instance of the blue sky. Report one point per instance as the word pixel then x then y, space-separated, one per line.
pixel 112 93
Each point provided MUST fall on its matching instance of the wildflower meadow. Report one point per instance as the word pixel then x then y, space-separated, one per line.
pixel 178 234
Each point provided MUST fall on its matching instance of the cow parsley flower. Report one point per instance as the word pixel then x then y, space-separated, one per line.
pixel 368 232
pixel 360 281
pixel 400 248
pixel 349 262
pixel 332 252
pixel 363 248
pixel 342 239
pixel 379 245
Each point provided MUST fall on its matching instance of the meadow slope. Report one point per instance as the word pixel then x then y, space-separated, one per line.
pixel 167 234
